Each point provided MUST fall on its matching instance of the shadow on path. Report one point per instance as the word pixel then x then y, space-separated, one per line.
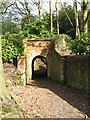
pixel 74 97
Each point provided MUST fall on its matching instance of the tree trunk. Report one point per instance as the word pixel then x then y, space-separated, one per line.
pixel 3 91
pixel 51 19
pixel 57 16
pixel 77 18
pixel 39 10
pixel 85 16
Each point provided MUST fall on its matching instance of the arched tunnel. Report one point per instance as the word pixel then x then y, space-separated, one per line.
pixel 39 67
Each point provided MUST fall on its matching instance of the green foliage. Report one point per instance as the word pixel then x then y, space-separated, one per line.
pixel 89 24
pixel 8 51
pixel 9 25
pixel 12 46
pixel 61 36
pixel 46 18
pixel 36 29
pixel 11 109
pixel 33 28
pixel 81 44
pixel 6 109
pixel 67 26
pixel 26 20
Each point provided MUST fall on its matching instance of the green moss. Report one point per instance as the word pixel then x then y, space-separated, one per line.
pixel 78 86
pixel 6 109
pixel 10 109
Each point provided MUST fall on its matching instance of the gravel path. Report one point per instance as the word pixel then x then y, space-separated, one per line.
pixel 47 99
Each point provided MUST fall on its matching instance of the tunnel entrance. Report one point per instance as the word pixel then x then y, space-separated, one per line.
pixel 39 67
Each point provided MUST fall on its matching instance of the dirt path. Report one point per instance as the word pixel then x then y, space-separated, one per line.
pixel 47 99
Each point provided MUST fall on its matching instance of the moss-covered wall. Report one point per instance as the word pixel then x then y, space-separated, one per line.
pixel 74 71
pixel 77 69
pixel 56 66
pixel 89 75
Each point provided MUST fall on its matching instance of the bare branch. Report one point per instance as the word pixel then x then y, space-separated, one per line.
pixel 69 18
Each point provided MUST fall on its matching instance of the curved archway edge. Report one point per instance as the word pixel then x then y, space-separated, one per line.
pixel 34 49
pixel 42 66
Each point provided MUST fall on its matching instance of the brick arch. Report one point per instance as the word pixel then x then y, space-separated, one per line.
pixel 42 68
pixel 37 47
pixel 34 48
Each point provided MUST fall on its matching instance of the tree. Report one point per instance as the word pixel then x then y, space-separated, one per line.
pixel 85 15
pixel 51 19
pixel 76 18
pixel 3 90
pixel 9 27
pixel 39 9
pixel 24 10
pixel 89 24
pixel 37 3
pixel 16 8
pixel 67 21
pixel 57 16
pixel 12 46
pixel 36 29
pixel 81 44
pixel 46 18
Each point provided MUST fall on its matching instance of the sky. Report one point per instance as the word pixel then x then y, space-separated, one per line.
pixel 45 5
pixel 69 2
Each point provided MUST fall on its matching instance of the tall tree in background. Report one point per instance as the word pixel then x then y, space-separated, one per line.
pixel 67 21
pixel 76 18
pixel 51 19
pixel 24 10
pixel 57 16
pixel 17 8
pixel 39 9
pixel 3 90
pixel 37 3
pixel 84 8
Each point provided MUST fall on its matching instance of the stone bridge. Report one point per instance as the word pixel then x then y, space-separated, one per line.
pixel 36 51
pixel 41 57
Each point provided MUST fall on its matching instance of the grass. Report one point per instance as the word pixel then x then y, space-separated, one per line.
pixel 10 109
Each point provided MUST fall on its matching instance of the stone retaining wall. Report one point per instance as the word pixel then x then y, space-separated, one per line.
pixel 56 67
pixel 77 69
pixel 74 71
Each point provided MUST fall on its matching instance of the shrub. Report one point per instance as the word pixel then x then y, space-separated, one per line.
pixel 8 51
pixel 36 29
pixel 81 44
pixel 12 46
